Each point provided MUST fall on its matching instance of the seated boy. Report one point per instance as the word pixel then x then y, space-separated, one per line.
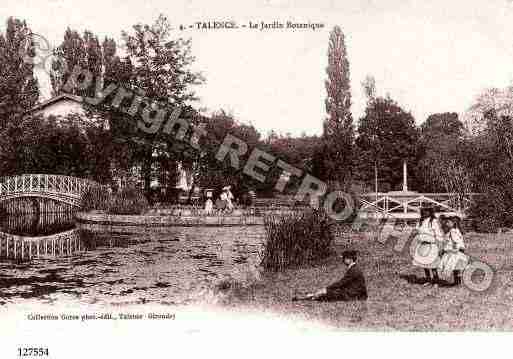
pixel 350 287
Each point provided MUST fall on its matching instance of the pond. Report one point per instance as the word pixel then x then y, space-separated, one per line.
pixel 172 267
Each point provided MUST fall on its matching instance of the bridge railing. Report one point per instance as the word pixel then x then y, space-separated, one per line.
pixel 409 204
pixel 29 183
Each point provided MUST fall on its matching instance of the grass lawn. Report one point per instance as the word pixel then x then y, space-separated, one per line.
pixel 395 301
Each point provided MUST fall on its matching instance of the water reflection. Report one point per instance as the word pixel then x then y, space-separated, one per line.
pixel 27 248
pixel 168 267
pixel 37 224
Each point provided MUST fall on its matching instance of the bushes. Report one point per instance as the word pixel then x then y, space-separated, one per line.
pixel 296 239
pixel 95 198
pixel 128 201
pixel 492 210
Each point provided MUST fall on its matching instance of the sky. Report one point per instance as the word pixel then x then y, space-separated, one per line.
pixel 430 56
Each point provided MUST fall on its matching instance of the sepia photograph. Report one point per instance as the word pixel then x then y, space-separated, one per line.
pixel 279 177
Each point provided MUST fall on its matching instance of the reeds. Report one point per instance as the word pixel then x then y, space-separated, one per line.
pixel 128 201
pixel 95 198
pixel 296 239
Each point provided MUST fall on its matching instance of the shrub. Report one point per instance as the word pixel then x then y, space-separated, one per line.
pixel 95 198
pixel 491 211
pixel 128 201
pixel 296 239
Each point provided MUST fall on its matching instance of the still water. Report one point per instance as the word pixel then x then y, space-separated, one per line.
pixel 59 262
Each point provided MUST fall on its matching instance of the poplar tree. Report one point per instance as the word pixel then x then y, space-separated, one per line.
pixel 18 85
pixel 18 90
pixel 336 152
pixel 338 101
pixel 77 50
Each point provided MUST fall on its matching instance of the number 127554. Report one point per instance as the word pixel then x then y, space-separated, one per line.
pixel 33 352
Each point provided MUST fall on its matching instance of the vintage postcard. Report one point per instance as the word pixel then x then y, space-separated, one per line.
pixel 286 178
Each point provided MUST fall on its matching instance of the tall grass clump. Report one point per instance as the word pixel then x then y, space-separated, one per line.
pixel 296 239
pixel 95 198
pixel 128 201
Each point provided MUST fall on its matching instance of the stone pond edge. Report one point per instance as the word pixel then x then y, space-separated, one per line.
pixel 89 220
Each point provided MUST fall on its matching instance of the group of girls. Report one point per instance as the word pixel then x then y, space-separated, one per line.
pixel 224 203
pixel 439 247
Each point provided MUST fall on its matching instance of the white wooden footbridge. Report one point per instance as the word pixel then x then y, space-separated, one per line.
pixel 63 189
pixel 407 205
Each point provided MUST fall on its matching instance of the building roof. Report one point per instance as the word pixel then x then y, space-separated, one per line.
pixel 53 100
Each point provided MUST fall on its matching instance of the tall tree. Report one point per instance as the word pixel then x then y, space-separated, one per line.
pixel 161 64
pixel 491 159
pixel 387 136
pixel 18 89
pixel 18 86
pixel 161 71
pixel 338 131
pixel 338 100
pixel 77 50
pixel 441 163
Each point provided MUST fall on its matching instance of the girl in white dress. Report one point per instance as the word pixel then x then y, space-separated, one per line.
pixel 209 205
pixel 428 237
pixel 454 260
pixel 231 198
pixel 227 197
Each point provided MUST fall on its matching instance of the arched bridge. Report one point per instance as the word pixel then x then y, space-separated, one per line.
pixel 64 189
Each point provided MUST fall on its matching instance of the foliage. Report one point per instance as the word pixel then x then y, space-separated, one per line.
pixel 216 174
pixel 69 146
pixel 128 201
pixel 95 198
pixel 161 65
pixel 295 151
pixel 83 51
pixel 496 100
pixel 334 158
pixel 18 85
pixel 156 67
pixel 18 88
pixel 441 124
pixel 489 211
pixel 338 101
pixel 160 68
pixel 492 166
pixel 296 239
pixel 442 164
pixel 387 136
